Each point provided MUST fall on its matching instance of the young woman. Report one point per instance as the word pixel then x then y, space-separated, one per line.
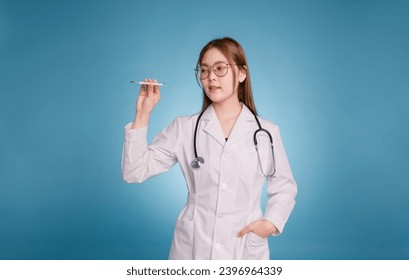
pixel 216 151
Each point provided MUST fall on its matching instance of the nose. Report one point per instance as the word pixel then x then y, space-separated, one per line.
pixel 212 75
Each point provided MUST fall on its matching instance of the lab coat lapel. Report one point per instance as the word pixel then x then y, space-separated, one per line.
pixel 242 125
pixel 212 126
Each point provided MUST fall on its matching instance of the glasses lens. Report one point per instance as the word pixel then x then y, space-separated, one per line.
pixel 220 69
pixel 203 72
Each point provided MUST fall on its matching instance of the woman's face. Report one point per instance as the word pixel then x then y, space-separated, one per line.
pixel 220 89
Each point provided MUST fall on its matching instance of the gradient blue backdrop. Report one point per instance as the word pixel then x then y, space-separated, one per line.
pixel 333 74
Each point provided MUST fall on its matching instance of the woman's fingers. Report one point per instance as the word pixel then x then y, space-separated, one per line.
pixel 144 88
pixel 156 89
pixel 153 92
pixel 149 96
pixel 244 231
pixel 262 228
pixel 150 87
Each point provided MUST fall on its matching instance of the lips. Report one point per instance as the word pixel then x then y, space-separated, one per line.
pixel 213 87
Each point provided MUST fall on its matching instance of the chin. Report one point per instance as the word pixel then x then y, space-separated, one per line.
pixel 215 97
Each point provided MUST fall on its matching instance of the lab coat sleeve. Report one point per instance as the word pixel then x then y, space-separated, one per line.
pixel 140 160
pixel 281 189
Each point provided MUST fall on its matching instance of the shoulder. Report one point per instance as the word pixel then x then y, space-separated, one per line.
pixel 184 122
pixel 266 124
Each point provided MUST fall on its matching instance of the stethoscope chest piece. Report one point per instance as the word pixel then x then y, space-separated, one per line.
pixel 197 162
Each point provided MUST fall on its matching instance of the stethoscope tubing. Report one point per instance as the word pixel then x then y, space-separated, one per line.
pixel 194 136
pixel 199 161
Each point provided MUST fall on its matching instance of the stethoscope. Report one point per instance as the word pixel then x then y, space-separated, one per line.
pixel 199 161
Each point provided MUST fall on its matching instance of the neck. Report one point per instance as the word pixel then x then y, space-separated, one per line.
pixel 228 109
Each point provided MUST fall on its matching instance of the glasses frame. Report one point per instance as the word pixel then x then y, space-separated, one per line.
pixel 211 68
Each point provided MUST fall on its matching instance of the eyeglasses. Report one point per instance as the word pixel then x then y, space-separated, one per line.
pixel 220 69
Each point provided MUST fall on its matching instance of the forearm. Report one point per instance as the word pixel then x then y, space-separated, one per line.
pixel 141 120
pixel 281 201
pixel 134 149
pixel 140 160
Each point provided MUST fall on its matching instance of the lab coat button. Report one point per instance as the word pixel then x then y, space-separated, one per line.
pixel 217 246
pixel 224 186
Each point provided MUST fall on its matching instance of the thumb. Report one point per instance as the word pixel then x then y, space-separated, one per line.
pixel 244 231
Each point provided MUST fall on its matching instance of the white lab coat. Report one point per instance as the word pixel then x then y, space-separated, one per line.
pixel 224 194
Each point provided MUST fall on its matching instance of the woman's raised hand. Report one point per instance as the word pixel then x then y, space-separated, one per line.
pixel 149 96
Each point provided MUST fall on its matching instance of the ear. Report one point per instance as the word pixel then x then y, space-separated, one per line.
pixel 242 73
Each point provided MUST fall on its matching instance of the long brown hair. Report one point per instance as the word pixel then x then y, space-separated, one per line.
pixel 234 53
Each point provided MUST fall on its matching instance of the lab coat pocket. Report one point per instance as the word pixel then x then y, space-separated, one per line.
pixel 255 247
pixel 182 244
pixel 182 248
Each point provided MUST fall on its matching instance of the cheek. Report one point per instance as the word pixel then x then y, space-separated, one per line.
pixel 228 83
pixel 227 86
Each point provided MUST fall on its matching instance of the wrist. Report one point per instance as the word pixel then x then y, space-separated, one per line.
pixel 271 227
pixel 141 119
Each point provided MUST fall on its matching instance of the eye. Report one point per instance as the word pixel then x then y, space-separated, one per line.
pixel 220 67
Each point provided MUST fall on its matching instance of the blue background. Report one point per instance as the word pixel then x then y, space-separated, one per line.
pixel 333 74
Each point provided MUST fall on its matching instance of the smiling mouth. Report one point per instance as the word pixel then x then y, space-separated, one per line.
pixel 213 88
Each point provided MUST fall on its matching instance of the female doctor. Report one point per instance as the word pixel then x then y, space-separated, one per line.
pixel 224 172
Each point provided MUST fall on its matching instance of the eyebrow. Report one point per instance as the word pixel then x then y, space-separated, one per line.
pixel 205 64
